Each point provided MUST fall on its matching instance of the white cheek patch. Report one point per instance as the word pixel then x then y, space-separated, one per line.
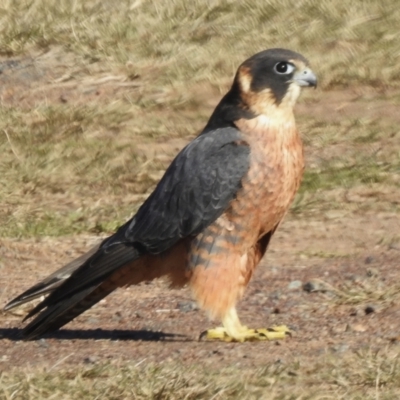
pixel 245 82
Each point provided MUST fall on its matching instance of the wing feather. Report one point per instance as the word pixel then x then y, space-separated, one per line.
pixel 194 191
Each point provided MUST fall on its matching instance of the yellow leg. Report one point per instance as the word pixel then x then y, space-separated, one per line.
pixel 233 331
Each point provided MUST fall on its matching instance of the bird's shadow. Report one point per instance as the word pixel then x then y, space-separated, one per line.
pixel 15 334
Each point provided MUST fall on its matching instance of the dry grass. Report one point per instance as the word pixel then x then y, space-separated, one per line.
pixel 207 39
pixel 361 291
pixel 70 159
pixel 365 374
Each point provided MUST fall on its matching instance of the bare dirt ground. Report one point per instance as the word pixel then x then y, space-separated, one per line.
pixel 331 275
pixel 155 324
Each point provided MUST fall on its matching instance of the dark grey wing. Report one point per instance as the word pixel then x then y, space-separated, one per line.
pixel 195 190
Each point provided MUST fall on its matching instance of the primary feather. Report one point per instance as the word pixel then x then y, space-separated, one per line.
pixel 194 191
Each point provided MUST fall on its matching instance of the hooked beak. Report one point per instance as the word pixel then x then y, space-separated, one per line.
pixel 306 77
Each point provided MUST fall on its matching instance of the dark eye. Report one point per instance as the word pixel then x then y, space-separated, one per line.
pixel 284 68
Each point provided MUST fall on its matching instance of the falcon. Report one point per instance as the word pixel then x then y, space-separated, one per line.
pixel 211 217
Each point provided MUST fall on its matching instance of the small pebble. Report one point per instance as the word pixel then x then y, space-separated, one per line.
pixel 371 272
pixel 187 306
pixel 340 348
pixel 275 295
pixel 340 328
pixel 369 260
pixel 43 343
pixel 313 286
pixel 90 360
pixel 369 310
pixel 294 285
pixel 138 314
pixel 358 328
pixel 353 313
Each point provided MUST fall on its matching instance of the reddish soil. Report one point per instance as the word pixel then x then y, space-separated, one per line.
pixel 153 323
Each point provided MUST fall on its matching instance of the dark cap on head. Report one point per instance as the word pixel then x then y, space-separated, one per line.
pixel 274 69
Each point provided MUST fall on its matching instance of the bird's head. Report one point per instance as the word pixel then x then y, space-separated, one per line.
pixel 272 80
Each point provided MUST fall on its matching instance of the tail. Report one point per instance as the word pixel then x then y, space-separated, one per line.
pixel 52 282
pixel 95 278
pixel 59 314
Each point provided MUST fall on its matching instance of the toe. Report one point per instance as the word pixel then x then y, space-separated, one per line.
pixel 218 333
pixel 274 333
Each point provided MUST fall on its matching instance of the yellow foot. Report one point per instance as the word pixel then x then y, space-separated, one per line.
pixel 245 334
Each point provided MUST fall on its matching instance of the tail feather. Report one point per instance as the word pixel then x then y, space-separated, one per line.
pixel 102 271
pixel 89 275
pixel 79 289
pixel 59 314
pixel 52 282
